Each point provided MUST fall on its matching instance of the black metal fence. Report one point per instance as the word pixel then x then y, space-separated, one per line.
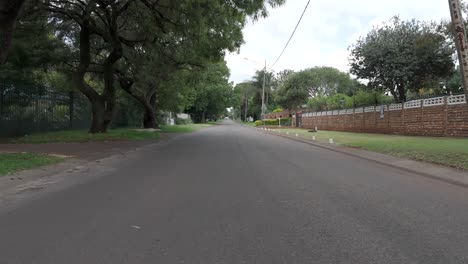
pixel 26 109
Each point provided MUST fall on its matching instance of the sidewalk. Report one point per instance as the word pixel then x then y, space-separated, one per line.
pixel 429 170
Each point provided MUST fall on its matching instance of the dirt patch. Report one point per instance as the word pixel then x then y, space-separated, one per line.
pixel 85 151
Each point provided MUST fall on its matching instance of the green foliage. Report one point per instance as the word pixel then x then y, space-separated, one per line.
pixel 294 91
pixel 364 98
pixel 278 110
pixel 318 103
pixel 180 121
pixel 244 100
pixel 36 53
pixel 211 92
pixel 326 81
pixel 338 101
pixel 147 44
pixel 403 56
pixel 273 122
pixel 317 83
pixel 455 83
pixel 342 101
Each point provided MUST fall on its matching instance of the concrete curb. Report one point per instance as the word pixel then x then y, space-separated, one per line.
pixel 429 170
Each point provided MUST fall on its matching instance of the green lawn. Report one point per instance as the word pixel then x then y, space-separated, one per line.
pixel 13 162
pixel 184 128
pixel 251 124
pixel 84 136
pixel 451 152
pixel 133 134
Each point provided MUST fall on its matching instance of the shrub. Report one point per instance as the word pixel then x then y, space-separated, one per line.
pixel 278 110
pixel 181 121
pixel 273 122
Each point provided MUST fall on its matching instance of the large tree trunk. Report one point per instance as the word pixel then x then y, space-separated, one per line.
pixel 99 123
pixel 149 118
pixel 401 93
pixel 9 10
pixel 102 105
pixel 148 102
pixel 203 119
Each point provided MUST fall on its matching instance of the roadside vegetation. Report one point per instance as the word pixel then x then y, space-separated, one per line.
pixel 131 134
pixel 14 162
pixel 451 152
pixel 419 63
pixel 251 124
pixel 83 136
pixel 185 128
pixel 129 63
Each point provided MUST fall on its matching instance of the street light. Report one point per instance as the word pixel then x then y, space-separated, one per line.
pixel 263 90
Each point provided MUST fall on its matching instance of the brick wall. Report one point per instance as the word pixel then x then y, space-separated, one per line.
pixel 442 116
pixel 283 114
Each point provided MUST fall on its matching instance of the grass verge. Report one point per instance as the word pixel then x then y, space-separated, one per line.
pixel 83 136
pixel 14 162
pixel 184 128
pixel 451 152
pixel 250 124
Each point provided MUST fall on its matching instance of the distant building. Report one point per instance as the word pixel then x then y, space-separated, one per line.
pixel 183 116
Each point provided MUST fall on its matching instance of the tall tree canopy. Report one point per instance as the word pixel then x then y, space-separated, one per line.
pixel 104 33
pixel 315 82
pixel 294 92
pixel 403 56
pixel 211 93
pixel 9 12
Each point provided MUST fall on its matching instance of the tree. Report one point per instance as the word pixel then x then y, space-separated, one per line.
pixel 403 55
pixel 455 84
pixel 245 92
pixel 107 28
pixel 282 76
pixel 211 92
pixel 9 12
pixel 35 51
pixel 294 92
pixel 326 81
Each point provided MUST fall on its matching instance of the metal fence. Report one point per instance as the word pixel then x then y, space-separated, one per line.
pixel 26 109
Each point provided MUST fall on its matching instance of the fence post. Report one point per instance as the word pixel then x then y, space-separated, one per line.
pixel 1 100
pixel 422 117
pixel 387 113
pixel 71 108
pixel 403 117
pixel 363 128
pixel 354 120
pixel 446 115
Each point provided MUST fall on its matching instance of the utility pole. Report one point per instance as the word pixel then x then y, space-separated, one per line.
pixel 263 95
pixel 460 40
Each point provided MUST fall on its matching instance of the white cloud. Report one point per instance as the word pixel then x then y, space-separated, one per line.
pixel 326 31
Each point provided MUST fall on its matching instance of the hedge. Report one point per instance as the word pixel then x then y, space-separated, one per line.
pixel 273 122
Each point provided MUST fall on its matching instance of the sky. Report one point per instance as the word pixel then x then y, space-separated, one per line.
pixel 327 29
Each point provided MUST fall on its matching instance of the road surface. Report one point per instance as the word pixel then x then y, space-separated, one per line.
pixel 231 194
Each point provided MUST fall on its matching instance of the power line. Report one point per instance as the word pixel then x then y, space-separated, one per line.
pixel 298 22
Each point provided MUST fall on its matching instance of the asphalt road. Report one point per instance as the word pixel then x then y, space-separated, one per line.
pixel 230 194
